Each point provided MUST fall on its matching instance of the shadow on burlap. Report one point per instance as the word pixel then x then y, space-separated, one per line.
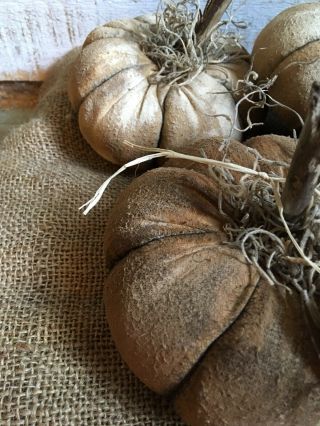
pixel 58 364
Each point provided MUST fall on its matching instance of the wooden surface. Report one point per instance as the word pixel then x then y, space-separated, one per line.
pixel 34 33
pixel 19 94
pixel 17 102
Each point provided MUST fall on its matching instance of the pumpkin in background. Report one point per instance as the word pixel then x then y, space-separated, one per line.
pixel 190 315
pixel 115 89
pixel 289 48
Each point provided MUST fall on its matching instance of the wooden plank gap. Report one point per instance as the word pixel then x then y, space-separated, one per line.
pixel 19 94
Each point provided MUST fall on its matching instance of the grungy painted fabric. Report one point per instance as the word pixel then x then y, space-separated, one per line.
pixel 115 90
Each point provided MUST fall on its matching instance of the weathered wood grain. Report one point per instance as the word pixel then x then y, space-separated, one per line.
pixel 19 94
pixel 34 33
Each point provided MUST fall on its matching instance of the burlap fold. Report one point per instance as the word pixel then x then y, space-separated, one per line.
pixel 58 364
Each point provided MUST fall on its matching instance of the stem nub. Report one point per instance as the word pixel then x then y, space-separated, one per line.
pixel 211 16
pixel 304 171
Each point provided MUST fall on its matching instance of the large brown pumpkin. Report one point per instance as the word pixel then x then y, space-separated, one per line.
pixel 189 314
pixel 114 89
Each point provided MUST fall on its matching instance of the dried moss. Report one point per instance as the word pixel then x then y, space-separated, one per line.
pixel 173 43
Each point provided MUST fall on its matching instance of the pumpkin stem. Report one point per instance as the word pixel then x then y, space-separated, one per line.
pixel 304 171
pixel 183 41
pixel 212 14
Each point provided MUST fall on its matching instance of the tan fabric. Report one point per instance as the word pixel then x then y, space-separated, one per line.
pixel 58 364
pixel 186 311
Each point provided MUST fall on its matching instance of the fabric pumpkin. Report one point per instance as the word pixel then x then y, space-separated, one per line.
pixel 114 91
pixel 190 315
pixel 289 48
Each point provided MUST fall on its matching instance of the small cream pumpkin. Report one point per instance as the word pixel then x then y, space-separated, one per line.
pixel 113 86
pixel 289 48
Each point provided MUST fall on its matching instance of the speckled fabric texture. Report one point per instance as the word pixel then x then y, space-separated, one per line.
pixel 116 90
pixel 58 364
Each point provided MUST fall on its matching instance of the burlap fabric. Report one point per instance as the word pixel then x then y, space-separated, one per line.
pixel 58 364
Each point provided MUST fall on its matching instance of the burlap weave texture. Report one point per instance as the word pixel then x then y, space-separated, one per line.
pixel 58 364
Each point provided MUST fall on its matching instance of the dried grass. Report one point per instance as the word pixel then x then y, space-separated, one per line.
pixel 255 93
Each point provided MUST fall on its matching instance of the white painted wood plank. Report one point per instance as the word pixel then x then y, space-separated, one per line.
pixel 257 13
pixel 34 33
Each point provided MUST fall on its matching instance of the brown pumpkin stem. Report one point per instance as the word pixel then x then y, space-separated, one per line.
pixel 304 171
pixel 211 16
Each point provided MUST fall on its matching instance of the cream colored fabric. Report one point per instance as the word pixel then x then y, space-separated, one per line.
pixel 58 364
pixel 114 89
